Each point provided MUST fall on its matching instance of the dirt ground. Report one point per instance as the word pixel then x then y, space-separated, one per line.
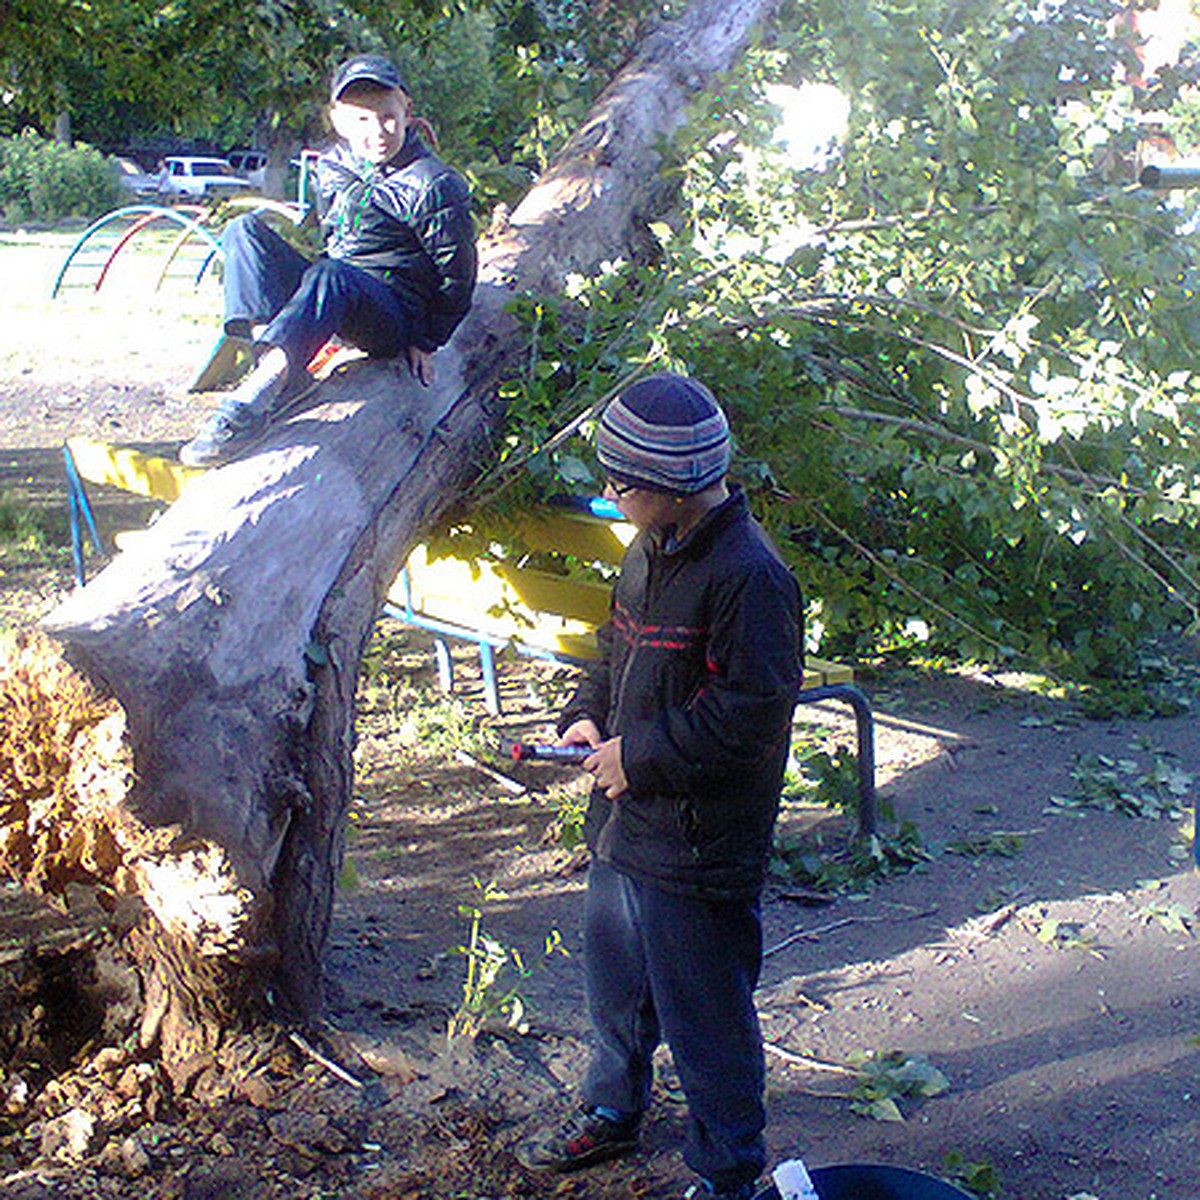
pixel 1041 954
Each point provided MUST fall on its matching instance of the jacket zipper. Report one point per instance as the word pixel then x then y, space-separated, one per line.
pixel 619 694
pixel 605 839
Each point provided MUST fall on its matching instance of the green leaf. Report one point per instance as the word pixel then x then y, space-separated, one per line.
pixel 884 1109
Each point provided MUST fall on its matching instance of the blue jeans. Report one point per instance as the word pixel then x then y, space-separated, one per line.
pixel 303 303
pixel 661 967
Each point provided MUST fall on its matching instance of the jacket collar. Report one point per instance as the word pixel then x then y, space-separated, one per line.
pixel 697 539
pixel 414 148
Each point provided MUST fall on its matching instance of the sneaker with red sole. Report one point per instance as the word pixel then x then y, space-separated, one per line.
pixel 583 1141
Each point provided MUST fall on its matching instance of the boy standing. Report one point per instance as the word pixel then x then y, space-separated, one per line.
pixel 397 272
pixel 688 714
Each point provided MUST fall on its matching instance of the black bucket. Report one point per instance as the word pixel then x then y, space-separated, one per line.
pixel 857 1181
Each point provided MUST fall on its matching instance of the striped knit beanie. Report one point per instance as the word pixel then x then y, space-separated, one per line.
pixel 665 433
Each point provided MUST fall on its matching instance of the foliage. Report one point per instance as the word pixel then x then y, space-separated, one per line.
pixel 495 973
pixel 1065 935
pixel 956 350
pixel 979 1178
pixel 43 181
pixel 439 724
pixel 503 83
pixel 1123 785
pixel 866 862
pixel 229 68
pixel 1140 696
pixel 426 720
pixel 999 843
pixel 883 1079
pixel 954 341
pixel 820 776
pixel 570 809
pixel 1174 918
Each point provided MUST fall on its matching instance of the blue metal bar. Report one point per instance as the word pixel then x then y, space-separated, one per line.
pixel 445 628
pixel 491 690
pixel 79 506
pixel 445 664
pixel 486 643
pixel 865 722
pixel 208 258
pixel 76 540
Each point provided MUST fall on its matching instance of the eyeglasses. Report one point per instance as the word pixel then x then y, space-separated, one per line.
pixel 620 489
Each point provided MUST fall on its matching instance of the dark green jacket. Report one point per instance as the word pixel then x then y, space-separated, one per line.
pixel 702 663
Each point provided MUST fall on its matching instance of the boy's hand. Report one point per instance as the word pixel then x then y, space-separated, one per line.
pixel 605 764
pixel 606 769
pixel 584 732
pixel 420 363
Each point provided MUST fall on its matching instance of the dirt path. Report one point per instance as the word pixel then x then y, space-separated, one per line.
pixel 1052 980
pixel 1042 956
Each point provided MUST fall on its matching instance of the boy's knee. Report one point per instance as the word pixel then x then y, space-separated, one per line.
pixel 246 230
pixel 328 278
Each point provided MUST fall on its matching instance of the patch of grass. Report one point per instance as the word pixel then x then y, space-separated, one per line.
pixel 495 973
pixel 570 806
pixel 30 528
pixel 431 724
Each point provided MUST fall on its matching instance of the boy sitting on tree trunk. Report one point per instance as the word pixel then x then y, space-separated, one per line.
pixel 395 278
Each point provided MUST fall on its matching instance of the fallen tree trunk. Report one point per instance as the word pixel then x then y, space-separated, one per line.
pixel 205 762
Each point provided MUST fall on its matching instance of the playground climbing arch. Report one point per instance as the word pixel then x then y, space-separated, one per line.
pixel 196 230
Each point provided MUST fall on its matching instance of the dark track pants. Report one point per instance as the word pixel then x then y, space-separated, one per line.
pixel 661 967
pixel 306 303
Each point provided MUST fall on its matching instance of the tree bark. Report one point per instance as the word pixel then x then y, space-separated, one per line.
pixel 221 652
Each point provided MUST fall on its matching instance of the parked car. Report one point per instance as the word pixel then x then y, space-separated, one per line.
pixel 251 164
pixel 134 179
pixel 199 178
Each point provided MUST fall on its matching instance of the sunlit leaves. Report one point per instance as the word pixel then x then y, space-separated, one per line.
pixel 984 420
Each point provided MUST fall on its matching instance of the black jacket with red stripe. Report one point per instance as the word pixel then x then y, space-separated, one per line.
pixel 701 664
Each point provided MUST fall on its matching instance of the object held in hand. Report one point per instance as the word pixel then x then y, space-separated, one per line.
pixel 524 751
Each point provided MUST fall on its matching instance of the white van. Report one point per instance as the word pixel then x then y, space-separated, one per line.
pixel 251 164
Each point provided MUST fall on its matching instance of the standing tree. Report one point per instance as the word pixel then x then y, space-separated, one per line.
pixel 184 734
pixel 111 70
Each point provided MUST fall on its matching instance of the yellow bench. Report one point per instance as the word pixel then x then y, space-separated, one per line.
pixel 493 603
pixel 503 603
pixel 538 613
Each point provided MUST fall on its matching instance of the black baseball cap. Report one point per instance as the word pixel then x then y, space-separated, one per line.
pixel 366 68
